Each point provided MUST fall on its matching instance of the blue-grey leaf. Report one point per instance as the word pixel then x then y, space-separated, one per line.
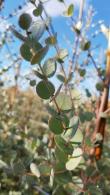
pixel 37 29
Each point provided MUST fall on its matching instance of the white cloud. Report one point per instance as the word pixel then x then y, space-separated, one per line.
pixel 53 7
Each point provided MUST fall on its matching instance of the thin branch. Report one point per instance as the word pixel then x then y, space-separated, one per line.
pixel 106 111
pixel 40 190
pixel 17 34
pixel 81 10
pixel 95 65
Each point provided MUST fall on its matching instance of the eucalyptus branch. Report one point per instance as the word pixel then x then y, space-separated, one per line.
pixel 17 34
pixel 101 122
pixel 52 97
pixel 57 50
pixel 1 4
pixel 81 10
pixel 95 65
pixel 76 44
pixel 53 33
pixel 107 111
pixel 56 45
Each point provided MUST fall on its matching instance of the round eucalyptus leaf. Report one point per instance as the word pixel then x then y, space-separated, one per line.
pixel 74 139
pixel 44 169
pixel 32 83
pixel 78 137
pixel 60 165
pixel 78 181
pixel 100 86
pixel 63 178
pixel 52 40
pixel 37 29
pixel 45 89
pixel 25 21
pixel 85 45
pixel 56 125
pixel 69 11
pixel 63 145
pixel 63 53
pixel 33 44
pixel 82 72
pixel 65 120
pixel 64 101
pixel 60 155
pixel 74 123
pixel 74 161
pixel 34 169
pixel 88 116
pixel 49 67
pixel 38 10
pixel 61 77
pixel 37 58
pixel 25 52
pixel 36 46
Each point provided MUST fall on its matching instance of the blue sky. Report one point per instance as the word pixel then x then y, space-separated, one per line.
pixel 103 10
pixel 101 6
